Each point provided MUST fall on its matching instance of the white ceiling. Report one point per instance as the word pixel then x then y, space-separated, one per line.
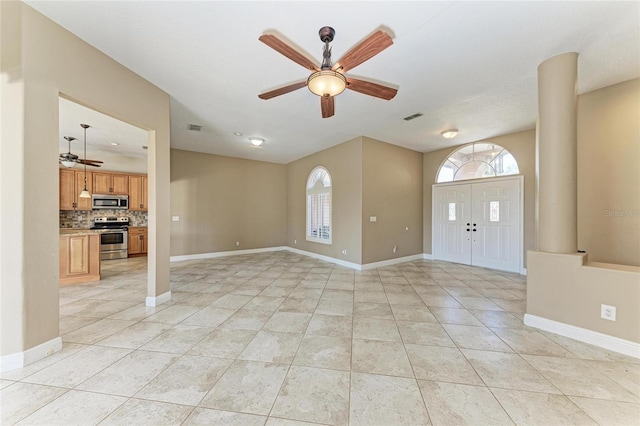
pixel 468 65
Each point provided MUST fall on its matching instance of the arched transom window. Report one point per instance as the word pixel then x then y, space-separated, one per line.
pixel 476 161
pixel 319 206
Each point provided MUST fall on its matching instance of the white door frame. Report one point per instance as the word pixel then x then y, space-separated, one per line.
pixel 520 178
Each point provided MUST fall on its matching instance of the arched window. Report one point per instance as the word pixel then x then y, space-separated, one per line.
pixel 319 206
pixel 476 161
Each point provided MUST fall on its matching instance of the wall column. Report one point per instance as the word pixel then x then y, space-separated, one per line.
pixel 557 154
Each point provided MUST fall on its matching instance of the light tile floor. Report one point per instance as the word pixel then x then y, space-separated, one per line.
pixel 283 339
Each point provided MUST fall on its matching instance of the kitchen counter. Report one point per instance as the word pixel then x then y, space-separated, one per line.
pixel 80 231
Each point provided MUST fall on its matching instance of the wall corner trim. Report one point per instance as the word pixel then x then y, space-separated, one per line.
pixel 389 262
pixel 427 256
pixel 224 253
pixel 612 343
pixel 155 301
pixel 36 353
pixel 325 258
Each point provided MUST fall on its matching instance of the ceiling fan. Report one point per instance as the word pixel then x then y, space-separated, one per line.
pixel 68 159
pixel 329 80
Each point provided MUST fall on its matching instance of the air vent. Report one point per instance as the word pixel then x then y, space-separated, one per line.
pixel 194 127
pixel 411 117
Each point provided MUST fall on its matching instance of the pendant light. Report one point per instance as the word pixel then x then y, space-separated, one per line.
pixel 85 193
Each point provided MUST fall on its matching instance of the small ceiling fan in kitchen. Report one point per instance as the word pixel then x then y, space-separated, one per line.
pixel 328 80
pixel 68 159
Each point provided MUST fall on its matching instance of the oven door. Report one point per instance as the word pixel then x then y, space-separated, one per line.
pixel 113 240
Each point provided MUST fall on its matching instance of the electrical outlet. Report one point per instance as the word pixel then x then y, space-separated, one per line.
pixel 237 243
pixel 344 251
pixel 175 218
pixel 608 312
pixel 395 249
pixel 295 241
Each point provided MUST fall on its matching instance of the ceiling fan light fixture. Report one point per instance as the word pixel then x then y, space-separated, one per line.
pixel 68 164
pixel 449 134
pixel 326 83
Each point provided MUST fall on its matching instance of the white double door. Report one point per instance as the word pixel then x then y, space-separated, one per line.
pixel 479 223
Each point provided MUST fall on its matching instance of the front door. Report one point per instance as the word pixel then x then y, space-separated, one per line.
pixel 479 223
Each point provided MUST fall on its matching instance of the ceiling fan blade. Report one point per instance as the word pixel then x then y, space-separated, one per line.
pixel 91 161
pixel 279 46
pixel 89 164
pixel 371 89
pixel 283 90
pixel 364 51
pixel 328 106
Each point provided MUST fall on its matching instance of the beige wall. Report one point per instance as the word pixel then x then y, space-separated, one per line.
pixel 344 163
pixel 223 200
pixel 40 61
pixel 391 191
pixel 561 289
pixel 522 146
pixel 609 174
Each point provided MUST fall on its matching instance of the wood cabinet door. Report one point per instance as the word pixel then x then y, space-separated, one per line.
pixel 67 189
pixel 78 256
pixel 120 184
pixel 83 203
pixel 101 183
pixel 137 192
pixel 143 241
pixel 134 243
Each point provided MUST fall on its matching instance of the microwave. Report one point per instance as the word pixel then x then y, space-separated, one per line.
pixel 105 201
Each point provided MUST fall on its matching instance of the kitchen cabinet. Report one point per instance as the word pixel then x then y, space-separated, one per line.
pixel 71 185
pixel 138 199
pixel 79 258
pixel 138 238
pixel 110 183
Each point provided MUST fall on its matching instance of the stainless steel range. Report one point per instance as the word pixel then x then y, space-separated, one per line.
pixel 114 241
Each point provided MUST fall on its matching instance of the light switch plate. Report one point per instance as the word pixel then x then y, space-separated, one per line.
pixel 373 219
pixel 175 218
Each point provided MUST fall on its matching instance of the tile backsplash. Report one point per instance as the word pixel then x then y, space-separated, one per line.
pixel 83 219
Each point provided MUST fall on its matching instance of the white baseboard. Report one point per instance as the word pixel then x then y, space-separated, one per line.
pixel 158 300
pixel 224 253
pixel 523 271
pixel 302 252
pixel 616 344
pixel 325 258
pixel 427 256
pixel 392 261
pixel 22 359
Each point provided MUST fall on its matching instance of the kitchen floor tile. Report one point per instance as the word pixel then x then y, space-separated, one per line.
pixel 76 408
pixel 450 403
pixel 147 413
pixel 130 374
pixel 247 387
pixel 441 364
pixel 186 381
pixel 377 357
pixel 327 401
pixel 324 352
pixel 21 399
pixel 205 416
pixel 269 346
pixel 223 343
pixel 386 401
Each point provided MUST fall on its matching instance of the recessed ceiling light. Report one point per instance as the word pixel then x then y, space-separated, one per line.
pixel 256 141
pixel 115 143
pixel 450 134
pixel 237 133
